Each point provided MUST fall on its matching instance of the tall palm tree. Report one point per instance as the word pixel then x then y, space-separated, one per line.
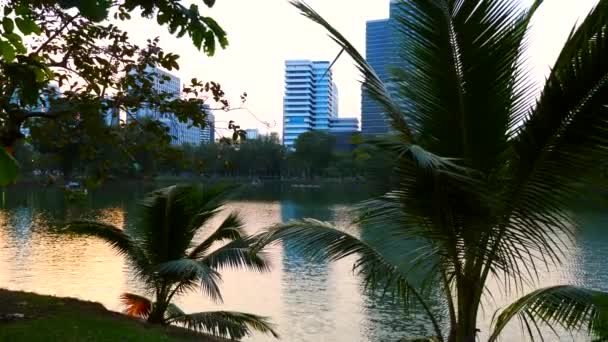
pixel 485 176
pixel 161 252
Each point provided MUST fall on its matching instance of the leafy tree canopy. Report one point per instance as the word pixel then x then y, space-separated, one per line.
pixel 315 149
pixel 60 60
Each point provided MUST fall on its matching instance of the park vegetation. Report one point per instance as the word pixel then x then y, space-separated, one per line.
pixel 314 157
pixel 66 70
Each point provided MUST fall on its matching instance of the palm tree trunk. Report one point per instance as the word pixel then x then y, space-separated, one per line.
pixel 451 309
pixel 468 305
pixel 157 316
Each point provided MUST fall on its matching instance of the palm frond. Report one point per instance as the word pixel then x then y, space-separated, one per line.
pixel 153 226
pixel 173 311
pixel 135 305
pixel 121 242
pixel 230 229
pixel 558 145
pixel 567 132
pixel 209 201
pixel 323 241
pixel 186 272
pixel 114 236
pixel 172 216
pixel 572 308
pixel 457 74
pixel 238 254
pixel 226 324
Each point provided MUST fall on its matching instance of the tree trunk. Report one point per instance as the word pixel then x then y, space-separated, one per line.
pixel 468 305
pixel 157 316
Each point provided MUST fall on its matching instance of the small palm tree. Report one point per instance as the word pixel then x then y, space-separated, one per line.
pixel 485 176
pixel 162 254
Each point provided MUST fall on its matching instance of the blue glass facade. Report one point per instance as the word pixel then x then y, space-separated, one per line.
pixel 382 53
pixel 310 100
pixel 208 133
pixel 344 125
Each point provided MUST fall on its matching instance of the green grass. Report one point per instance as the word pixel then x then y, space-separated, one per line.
pixel 48 318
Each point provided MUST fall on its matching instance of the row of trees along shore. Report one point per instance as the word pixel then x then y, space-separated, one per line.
pixel 314 156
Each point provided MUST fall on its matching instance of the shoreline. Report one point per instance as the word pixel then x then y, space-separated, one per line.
pixel 28 316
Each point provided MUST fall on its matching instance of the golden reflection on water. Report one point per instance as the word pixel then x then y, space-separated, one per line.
pixel 308 301
pixel 32 259
pixel 115 216
pixel 304 299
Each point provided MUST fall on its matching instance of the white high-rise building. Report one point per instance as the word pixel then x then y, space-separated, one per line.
pixel 181 132
pixel 310 101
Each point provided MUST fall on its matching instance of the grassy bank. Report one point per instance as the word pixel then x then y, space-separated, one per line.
pixel 31 317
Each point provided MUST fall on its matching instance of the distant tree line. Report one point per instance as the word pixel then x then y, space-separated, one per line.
pixel 60 153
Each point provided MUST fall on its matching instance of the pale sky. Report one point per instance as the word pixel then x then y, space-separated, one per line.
pixel 264 33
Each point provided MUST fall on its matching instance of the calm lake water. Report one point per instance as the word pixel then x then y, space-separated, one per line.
pixel 308 301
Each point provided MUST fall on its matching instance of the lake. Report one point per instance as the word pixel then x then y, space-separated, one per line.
pixel 308 301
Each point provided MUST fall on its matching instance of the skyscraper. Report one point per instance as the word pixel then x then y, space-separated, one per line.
pixel 208 133
pixel 181 132
pixel 382 53
pixel 163 82
pixel 310 100
pixel 344 125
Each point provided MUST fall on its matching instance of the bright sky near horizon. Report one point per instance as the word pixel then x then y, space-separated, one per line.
pixel 263 34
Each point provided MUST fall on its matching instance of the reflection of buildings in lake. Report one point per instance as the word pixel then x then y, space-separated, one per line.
pixel 587 264
pixel 378 318
pixel 19 225
pixel 16 230
pixel 307 303
pixel 383 307
pixel 321 299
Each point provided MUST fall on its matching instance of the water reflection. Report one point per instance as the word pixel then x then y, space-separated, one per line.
pixel 34 259
pixel 308 307
pixel 308 301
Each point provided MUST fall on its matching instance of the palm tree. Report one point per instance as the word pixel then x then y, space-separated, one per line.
pixel 485 176
pixel 162 254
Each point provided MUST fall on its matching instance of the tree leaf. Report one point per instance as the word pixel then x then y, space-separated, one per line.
pixel 7 51
pixel 9 169
pixel 95 10
pixel 17 42
pixel 8 25
pixel 197 37
pixel 27 26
